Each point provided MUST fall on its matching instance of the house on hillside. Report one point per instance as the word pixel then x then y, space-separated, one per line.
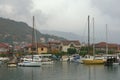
pixel 54 46
pixel 4 48
pixel 36 48
pixel 65 45
pixel 101 47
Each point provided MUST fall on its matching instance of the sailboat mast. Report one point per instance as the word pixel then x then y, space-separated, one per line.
pixel 33 38
pixel 106 39
pixel 88 34
pixel 33 32
pixel 93 39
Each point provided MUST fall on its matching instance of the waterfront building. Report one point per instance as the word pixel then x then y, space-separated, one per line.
pixel 112 48
pixel 54 46
pixel 37 48
pixel 65 45
pixel 4 48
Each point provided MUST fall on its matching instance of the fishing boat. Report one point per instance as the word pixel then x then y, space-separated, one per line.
pixel 94 59
pixel 31 63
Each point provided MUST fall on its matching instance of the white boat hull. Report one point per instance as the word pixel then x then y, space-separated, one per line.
pixel 30 64
pixel 116 63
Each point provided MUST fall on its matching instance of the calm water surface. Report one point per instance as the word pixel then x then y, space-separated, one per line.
pixel 61 71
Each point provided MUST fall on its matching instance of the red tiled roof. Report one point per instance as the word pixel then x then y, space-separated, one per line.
pixel 36 44
pixel 103 45
pixel 53 42
pixel 4 45
pixel 68 42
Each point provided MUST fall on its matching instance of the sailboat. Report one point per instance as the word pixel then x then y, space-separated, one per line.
pixel 110 59
pixel 31 63
pixel 94 59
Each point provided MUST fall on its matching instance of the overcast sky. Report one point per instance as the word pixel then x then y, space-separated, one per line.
pixel 67 15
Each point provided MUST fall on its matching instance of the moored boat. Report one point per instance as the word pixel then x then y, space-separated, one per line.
pixel 30 64
pixel 93 61
pixel 112 60
pixel 11 64
pixel 45 58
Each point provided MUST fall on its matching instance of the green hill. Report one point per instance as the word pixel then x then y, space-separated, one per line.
pixel 13 31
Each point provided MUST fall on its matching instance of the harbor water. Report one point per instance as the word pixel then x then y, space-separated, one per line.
pixel 61 71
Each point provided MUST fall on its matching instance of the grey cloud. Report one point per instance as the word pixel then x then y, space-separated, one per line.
pixel 40 17
pixel 21 10
pixel 108 7
pixel 20 7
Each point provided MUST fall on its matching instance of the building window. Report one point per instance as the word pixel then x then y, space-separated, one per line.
pixel 42 49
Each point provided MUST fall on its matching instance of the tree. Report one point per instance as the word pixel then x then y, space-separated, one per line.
pixel 83 50
pixel 71 50
pixel 3 55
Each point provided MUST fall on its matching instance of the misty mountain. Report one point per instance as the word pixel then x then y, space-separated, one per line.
pixel 67 35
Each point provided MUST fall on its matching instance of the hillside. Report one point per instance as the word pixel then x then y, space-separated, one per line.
pixel 13 31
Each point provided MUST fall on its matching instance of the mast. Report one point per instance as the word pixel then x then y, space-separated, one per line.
pixel 89 44
pixel 33 31
pixel 93 39
pixel 106 39
pixel 33 39
pixel 88 34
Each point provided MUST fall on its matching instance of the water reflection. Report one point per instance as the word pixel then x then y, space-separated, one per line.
pixel 61 71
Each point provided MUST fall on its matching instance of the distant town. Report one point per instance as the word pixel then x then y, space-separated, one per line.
pixel 56 48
